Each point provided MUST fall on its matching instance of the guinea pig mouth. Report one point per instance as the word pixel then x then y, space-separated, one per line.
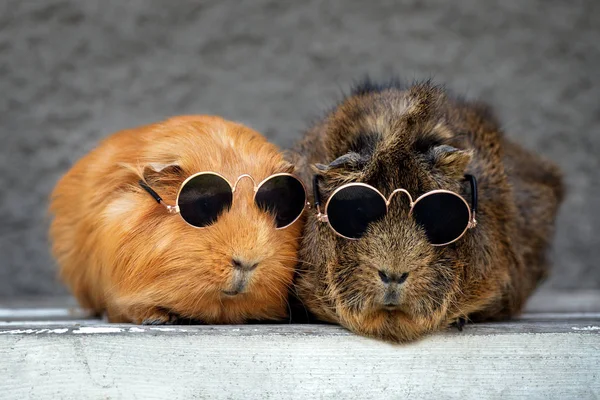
pixel 239 283
pixel 390 302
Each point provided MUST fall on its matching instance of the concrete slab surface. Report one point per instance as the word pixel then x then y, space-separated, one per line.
pixel 542 355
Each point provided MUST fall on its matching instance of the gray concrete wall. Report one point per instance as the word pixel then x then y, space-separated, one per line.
pixel 72 72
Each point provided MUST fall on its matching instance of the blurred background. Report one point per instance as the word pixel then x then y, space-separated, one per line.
pixel 73 72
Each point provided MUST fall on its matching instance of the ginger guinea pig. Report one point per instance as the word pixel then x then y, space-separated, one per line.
pixel 192 218
pixel 400 246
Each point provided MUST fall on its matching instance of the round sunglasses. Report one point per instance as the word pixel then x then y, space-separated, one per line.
pixel 204 196
pixel 444 215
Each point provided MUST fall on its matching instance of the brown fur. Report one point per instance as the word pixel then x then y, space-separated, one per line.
pixel 394 137
pixel 122 252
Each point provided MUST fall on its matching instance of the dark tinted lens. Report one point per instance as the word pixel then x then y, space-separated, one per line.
pixel 444 216
pixel 284 197
pixel 203 198
pixel 353 208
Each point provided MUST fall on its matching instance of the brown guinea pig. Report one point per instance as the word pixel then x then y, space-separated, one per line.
pixel 122 251
pixel 393 283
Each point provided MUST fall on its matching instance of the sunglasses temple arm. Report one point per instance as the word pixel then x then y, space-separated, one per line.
pixel 473 183
pixel 317 196
pixel 159 200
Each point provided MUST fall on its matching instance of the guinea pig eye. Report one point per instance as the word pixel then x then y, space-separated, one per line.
pixel 203 198
pixel 283 196
pixel 351 209
pixel 444 216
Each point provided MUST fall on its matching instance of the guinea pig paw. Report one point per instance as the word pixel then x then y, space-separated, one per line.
pixel 459 323
pixel 159 317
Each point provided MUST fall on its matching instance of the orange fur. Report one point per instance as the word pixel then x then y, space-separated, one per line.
pixel 121 252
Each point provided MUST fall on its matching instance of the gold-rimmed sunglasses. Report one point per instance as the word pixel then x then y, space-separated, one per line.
pixel 205 195
pixel 444 215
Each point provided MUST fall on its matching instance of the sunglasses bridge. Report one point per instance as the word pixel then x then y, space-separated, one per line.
pixel 255 187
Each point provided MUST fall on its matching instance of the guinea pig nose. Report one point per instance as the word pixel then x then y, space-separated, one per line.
pixel 243 265
pixel 392 278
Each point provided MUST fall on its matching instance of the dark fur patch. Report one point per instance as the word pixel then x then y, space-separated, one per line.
pixel 424 143
pixel 365 143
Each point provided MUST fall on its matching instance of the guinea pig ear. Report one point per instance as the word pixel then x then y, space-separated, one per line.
pixel 158 171
pixel 159 167
pixel 450 160
pixel 349 161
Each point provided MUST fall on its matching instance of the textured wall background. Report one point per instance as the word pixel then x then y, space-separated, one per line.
pixel 72 72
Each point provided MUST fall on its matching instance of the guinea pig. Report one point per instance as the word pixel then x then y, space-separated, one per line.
pixel 383 257
pixel 140 237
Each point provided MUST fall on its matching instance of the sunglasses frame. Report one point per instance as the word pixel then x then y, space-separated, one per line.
pixel 322 217
pixel 174 209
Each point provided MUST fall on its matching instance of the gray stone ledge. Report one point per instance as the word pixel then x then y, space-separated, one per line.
pixel 543 355
pixel 580 323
